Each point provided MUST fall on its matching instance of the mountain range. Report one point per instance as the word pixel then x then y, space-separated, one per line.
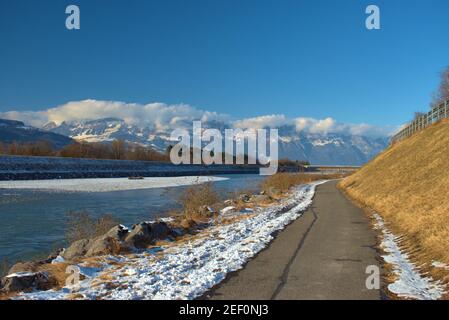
pixel 17 131
pixel 317 148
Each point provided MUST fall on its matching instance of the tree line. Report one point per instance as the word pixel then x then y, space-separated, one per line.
pixel 116 150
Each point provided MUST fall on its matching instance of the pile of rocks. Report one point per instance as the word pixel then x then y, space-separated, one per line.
pixel 118 240
pixel 26 276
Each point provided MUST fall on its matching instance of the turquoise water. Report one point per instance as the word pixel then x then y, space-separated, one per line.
pixel 32 222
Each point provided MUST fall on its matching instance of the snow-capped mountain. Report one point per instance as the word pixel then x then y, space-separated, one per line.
pixel 317 148
pixel 17 131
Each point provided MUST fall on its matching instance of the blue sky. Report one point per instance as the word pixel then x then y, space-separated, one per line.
pixel 245 58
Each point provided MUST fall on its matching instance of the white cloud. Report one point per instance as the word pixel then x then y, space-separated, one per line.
pixel 269 121
pixel 161 116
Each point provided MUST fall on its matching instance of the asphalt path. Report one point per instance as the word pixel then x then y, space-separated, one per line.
pixel 324 254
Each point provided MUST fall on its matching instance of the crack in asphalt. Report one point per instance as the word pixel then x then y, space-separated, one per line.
pixel 285 273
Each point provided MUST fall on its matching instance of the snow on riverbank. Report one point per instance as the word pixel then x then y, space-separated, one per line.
pixel 107 184
pixel 188 269
pixel 409 283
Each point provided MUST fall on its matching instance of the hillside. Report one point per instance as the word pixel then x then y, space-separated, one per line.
pixel 17 131
pixel 408 186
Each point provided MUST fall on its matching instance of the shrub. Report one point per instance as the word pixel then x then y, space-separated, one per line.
pixel 80 225
pixel 196 197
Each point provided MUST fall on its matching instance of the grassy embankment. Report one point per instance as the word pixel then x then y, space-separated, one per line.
pixel 408 186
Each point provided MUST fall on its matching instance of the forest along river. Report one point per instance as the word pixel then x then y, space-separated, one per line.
pixel 33 217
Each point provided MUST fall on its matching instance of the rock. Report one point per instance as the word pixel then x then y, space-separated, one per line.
pixel 109 243
pixel 139 236
pixel 104 245
pixel 244 197
pixel 144 234
pixel 21 267
pixel 160 230
pixel 260 198
pixel 24 281
pixel 118 232
pixel 53 256
pixel 117 240
pixel 77 249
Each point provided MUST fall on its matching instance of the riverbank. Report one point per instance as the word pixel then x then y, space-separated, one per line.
pixel 183 261
pixel 33 213
pixel 41 168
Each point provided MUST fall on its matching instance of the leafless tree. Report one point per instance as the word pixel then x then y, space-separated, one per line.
pixel 118 149
pixel 444 86
pixel 443 91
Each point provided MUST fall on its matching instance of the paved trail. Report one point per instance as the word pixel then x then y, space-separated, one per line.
pixel 322 255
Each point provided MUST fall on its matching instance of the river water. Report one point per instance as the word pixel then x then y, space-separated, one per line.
pixel 33 221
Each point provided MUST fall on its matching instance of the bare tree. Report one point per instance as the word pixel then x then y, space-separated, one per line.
pixel 444 86
pixel 118 149
pixel 419 114
pixel 443 91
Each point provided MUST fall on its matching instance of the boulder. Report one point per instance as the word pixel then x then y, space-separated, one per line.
pixel 76 249
pixel 260 198
pixel 144 234
pixel 103 245
pixel 118 232
pixel 53 256
pixel 24 281
pixel 21 267
pixel 244 197
pixel 109 243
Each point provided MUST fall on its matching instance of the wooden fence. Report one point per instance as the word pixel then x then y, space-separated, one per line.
pixel 438 112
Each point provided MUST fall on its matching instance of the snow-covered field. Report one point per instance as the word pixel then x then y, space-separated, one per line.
pixel 410 283
pixel 188 269
pixel 107 184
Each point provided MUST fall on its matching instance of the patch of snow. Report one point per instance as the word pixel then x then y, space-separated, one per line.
pixel 107 184
pixel 20 274
pixel 440 265
pixel 410 283
pixel 58 259
pixel 227 209
pixel 189 269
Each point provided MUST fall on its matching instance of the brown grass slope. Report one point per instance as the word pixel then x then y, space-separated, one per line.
pixel 408 185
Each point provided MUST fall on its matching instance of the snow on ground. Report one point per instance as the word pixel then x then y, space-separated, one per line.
pixel 441 265
pixel 187 270
pixel 409 283
pixel 107 184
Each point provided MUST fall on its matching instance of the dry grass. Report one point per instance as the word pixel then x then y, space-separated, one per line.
pixel 195 198
pixel 82 226
pixel 282 182
pixel 408 185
